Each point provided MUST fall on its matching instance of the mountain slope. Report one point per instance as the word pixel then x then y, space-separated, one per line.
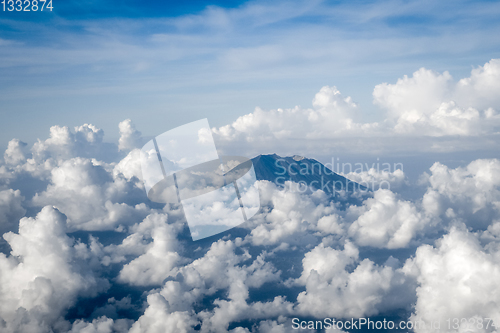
pixel 304 171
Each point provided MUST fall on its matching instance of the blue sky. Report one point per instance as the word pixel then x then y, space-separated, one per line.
pixel 165 64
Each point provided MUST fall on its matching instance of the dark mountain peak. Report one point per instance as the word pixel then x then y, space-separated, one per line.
pixel 303 171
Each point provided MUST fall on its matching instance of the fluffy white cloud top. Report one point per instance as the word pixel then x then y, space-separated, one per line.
pixel 332 115
pixel 44 275
pixel 469 193
pixel 427 104
pixel 15 153
pixel 339 285
pixel 130 137
pixel 11 210
pixel 161 256
pixel 86 140
pixel 91 196
pixel 433 104
pixel 457 278
pixel 386 221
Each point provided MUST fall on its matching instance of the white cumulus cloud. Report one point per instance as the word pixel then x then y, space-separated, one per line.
pixel 457 278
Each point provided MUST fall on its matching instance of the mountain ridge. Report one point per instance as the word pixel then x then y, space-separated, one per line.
pixel 303 171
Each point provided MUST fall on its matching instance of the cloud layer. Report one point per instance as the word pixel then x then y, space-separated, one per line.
pixel 417 109
pixel 84 250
